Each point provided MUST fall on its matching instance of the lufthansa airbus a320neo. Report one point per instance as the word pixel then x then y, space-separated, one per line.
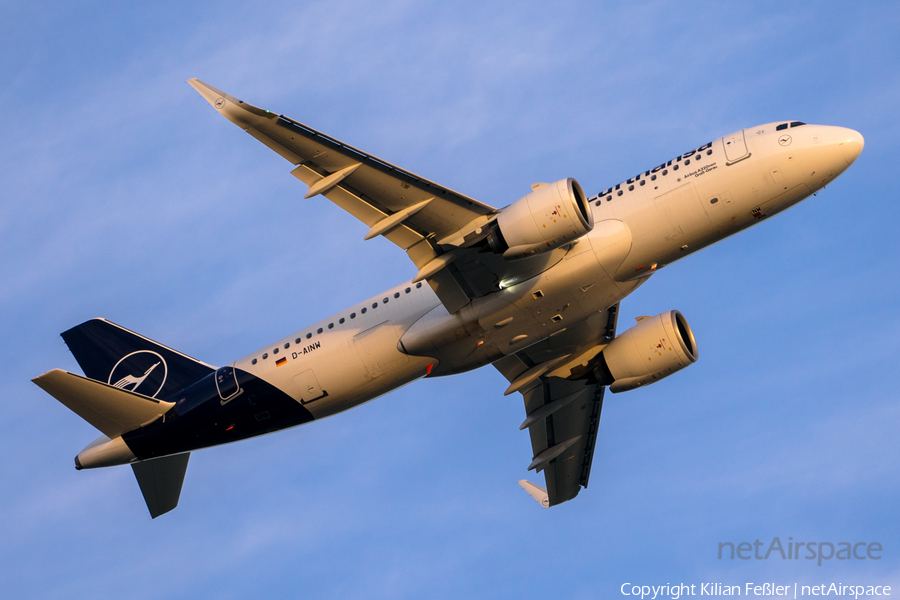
pixel 532 289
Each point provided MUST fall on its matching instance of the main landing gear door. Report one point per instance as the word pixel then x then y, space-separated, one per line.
pixel 227 384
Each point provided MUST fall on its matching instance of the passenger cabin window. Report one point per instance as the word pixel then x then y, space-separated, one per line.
pixel 319 330
pixel 396 294
pixel 331 326
pixel 308 335
pixel 226 383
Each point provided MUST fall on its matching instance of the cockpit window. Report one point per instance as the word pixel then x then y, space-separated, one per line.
pixel 797 123
pixel 781 127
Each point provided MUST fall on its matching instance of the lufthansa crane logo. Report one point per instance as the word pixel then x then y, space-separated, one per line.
pixel 143 372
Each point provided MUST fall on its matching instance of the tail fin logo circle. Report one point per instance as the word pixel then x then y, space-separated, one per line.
pixel 143 372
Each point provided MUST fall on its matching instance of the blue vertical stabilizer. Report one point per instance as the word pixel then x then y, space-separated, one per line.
pixel 121 358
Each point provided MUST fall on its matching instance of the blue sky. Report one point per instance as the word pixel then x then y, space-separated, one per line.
pixel 126 196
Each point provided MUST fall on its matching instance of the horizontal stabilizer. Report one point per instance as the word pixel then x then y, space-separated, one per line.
pixel 112 410
pixel 536 491
pixel 160 480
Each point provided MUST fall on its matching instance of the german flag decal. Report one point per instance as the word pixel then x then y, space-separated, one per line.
pixel 280 361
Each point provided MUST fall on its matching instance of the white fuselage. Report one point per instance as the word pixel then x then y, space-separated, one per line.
pixel 641 225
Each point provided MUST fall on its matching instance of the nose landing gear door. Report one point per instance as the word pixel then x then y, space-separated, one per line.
pixel 227 384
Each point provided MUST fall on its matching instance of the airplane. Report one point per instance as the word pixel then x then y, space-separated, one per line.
pixel 532 289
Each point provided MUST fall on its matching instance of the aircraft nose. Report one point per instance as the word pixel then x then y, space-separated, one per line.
pixel 851 144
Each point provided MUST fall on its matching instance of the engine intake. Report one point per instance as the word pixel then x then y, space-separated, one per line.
pixel 550 216
pixel 653 349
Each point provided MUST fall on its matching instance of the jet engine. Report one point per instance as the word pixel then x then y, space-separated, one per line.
pixel 552 215
pixel 654 348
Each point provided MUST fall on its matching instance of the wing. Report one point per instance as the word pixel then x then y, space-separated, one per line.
pixel 562 414
pixel 428 221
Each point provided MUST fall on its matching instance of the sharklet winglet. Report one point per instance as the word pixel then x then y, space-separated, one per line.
pixel 536 492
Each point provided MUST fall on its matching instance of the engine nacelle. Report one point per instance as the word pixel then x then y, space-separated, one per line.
pixel 654 348
pixel 550 216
